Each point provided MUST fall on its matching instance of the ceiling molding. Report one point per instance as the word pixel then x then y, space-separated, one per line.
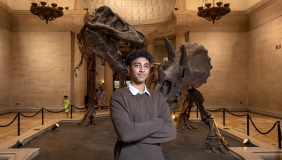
pixel 6 8
pixel 258 6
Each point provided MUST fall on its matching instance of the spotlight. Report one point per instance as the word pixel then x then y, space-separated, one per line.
pixel 18 144
pixel 248 143
pixel 55 126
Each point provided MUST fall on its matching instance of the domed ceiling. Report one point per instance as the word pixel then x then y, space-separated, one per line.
pixel 135 10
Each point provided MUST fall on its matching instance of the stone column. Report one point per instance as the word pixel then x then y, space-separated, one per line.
pixel 78 84
pixel 180 39
pixel 151 47
pixel 79 4
pixel 108 82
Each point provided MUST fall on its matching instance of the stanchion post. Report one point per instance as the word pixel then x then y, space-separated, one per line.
pixel 19 127
pixel 71 111
pixel 197 111
pixel 42 116
pixel 223 116
pixel 279 134
pixel 248 125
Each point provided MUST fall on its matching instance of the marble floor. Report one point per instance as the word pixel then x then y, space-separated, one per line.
pixel 263 123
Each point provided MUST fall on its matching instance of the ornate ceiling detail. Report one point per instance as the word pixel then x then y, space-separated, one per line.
pixel 135 10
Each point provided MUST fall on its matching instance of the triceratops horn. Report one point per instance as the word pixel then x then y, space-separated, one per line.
pixel 183 59
pixel 170 50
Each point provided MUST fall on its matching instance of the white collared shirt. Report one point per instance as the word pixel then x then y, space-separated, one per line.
pixel 135 91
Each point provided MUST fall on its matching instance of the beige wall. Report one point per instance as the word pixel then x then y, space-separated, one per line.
pixel 37 61
pixel 264 61
pixel 41 70
pixel 227 85
pixel 5 58
pixel 5 69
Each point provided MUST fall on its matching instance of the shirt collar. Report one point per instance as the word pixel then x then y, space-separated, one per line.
pixel 135 91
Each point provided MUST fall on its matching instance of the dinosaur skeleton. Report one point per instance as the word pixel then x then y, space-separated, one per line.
pixel 101 36
pixel 185 70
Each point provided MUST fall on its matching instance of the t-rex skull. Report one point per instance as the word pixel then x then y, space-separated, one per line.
pixel 104 33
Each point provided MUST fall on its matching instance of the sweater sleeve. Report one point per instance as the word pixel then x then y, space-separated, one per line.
pixel 168 130
pixel 129 131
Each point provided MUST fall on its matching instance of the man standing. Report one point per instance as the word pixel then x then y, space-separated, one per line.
pixel 140 116
pixel 101 98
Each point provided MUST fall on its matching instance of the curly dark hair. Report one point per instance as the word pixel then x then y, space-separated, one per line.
pixel 136 54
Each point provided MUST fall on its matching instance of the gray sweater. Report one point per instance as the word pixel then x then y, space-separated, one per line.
pixel 141 122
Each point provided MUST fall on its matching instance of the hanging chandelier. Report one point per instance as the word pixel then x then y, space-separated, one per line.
pixel 212 13
pixel 44 12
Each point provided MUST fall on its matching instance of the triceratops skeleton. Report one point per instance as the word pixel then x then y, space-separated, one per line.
pixel 185 70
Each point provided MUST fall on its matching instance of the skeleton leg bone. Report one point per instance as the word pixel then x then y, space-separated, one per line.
pixel 214 137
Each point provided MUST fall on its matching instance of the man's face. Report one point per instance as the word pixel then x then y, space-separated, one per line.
pixel 139 70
